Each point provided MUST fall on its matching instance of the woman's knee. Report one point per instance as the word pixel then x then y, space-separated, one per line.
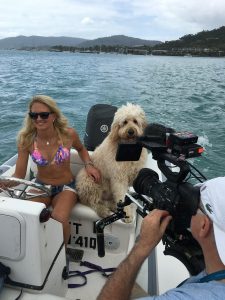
pixel 44 200
pixel 60 217
pixel 62 208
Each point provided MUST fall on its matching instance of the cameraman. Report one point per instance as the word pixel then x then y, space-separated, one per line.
pixel 207 227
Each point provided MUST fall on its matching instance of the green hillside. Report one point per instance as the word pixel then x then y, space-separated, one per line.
pixel 205 41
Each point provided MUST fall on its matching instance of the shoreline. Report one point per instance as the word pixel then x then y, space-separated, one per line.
pixel 129 51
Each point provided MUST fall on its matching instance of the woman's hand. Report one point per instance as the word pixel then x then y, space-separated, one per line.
pixel 93 172
pixel 6 183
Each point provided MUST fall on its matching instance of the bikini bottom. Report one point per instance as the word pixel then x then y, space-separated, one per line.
pixel 56 189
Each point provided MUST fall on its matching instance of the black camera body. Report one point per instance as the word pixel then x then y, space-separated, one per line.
pixel 169 148
pixel 180 199
pixel 173 193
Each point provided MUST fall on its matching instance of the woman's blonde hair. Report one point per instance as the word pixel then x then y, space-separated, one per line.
pixel 28 132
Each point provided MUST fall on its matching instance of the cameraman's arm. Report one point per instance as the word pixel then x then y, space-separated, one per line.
pixel 120 284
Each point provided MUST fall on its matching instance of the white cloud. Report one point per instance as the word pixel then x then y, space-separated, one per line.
pixel 150 19
pixel 87 21
pixel 179 17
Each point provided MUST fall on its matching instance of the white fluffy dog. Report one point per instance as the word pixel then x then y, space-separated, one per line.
pixel 128 123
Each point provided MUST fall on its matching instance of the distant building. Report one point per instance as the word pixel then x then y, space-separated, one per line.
pixel 136 51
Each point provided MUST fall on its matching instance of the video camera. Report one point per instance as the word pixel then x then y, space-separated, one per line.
pixel 174 193
pixel 170 149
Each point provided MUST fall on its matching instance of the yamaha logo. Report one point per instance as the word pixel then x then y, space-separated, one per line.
pixel 209 208
pixel 104 128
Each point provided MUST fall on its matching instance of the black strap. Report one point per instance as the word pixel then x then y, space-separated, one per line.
pixel 77 274
pixel 4 270
pixel 4 273
pixel 97 268
pixel 93 268
pixel 213 276
pixel 20 294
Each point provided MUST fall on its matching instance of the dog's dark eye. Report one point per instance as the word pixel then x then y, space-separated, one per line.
pixel 125 122
pixel 135 121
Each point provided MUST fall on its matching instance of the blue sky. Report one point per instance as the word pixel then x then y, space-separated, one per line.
pixel 162 20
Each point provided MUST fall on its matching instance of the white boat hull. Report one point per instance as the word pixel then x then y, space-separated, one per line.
pixel 37 257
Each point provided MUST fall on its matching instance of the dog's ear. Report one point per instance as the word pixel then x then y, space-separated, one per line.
pixel 144 124
pixel 113 135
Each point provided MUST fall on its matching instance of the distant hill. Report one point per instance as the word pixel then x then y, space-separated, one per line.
pixel 118 40
pixel 38 41
pixel 20 42
pixel 212 39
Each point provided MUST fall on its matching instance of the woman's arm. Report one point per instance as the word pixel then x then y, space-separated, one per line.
pixel 84 155
pixel 21 168
pixel 21 163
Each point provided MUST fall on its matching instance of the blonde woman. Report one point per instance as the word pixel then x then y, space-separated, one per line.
pixel 47 138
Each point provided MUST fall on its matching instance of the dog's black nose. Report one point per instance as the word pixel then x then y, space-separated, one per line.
pixel 130 132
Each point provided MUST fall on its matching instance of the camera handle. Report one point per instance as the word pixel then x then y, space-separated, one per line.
pixel 119 214
pixel 100 225
pixel 181 163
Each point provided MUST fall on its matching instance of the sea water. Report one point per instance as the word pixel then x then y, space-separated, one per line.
pixel 185 93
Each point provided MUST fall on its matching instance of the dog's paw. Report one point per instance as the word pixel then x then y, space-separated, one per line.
pixel 103 212
pixel 129 216
pixel 113 206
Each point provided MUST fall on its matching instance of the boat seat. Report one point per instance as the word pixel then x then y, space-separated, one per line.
pixel 25 237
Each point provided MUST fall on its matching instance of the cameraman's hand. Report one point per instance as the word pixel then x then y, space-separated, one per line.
pixel 152 229
pixel 120 284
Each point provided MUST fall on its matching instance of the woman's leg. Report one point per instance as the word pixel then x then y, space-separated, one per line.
pixel 62 205
pixel 45 200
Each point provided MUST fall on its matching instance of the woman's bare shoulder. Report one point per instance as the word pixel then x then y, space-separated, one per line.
pixel 75 139
pixel 72 132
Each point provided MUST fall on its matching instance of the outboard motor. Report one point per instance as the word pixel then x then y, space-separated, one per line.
pixel 99 120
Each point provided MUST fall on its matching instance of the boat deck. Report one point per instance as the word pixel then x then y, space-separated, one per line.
pixel 95 280
pixel 138 292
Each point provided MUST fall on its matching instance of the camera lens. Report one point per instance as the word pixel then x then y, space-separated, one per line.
pixel 145 180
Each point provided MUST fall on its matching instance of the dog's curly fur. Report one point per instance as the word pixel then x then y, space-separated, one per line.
pixel 128 123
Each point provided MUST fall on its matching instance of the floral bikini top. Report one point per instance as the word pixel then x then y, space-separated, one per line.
pixel 61 155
